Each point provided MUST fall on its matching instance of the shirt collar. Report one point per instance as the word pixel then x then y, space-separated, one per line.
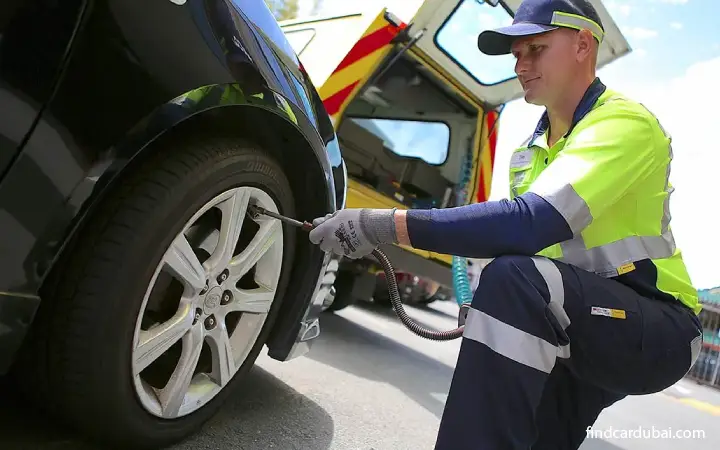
pixel 592 94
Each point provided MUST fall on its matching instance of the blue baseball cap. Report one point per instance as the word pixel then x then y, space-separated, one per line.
pixel 540 16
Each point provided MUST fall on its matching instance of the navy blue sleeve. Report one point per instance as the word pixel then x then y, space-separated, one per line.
pixel 522 226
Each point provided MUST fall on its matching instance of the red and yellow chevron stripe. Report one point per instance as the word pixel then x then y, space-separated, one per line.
pixel 487 157
pixel 358 65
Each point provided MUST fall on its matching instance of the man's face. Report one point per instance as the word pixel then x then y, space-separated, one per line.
pixel 544 64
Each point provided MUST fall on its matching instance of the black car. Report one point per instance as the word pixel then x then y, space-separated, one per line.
pixel 136 286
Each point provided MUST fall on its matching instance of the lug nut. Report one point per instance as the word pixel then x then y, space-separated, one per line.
pixel 210 323
pixel 226 298
pixel 223 276
pixel 198 315
pixel 205 289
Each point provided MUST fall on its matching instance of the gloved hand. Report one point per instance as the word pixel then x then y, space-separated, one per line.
pixel 354 232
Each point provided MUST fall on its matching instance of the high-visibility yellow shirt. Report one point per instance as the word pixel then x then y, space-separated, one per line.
pixel 609 178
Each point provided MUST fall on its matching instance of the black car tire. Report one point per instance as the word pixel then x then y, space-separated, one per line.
pixel 83 333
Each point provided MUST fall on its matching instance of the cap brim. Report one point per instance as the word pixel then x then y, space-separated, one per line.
pixel 499 41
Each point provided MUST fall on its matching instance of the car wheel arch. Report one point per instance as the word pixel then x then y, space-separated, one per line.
pixel 277 134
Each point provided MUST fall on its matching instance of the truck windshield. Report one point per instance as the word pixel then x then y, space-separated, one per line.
pixel 428 141
pixel 458 39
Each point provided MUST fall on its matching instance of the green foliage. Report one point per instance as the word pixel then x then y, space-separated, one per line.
pixel 288 9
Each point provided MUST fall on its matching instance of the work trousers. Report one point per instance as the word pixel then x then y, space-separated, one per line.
pixel 547 346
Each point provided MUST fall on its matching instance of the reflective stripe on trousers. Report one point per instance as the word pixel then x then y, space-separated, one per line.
pixel 517 344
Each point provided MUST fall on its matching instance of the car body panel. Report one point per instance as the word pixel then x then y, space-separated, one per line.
pixel 132 71
pixel 26 83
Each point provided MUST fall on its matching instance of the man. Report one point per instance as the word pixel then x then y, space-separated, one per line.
pixel 588 299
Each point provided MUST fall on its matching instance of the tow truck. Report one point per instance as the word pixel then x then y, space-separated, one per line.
pixel 417 108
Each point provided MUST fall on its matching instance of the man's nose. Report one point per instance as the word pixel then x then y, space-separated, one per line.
pixel 521 65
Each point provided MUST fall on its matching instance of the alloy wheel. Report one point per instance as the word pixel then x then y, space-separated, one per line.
pixel 206 304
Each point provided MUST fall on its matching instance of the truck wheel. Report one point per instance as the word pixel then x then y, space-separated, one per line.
pixel 168 295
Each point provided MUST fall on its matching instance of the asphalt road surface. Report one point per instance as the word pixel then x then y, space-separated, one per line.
pixel 368 384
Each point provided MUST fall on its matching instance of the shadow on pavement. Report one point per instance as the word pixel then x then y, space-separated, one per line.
pixel 263 413
pixel 430 309
pixel 352 348
pixel 387 312
pixel 266 413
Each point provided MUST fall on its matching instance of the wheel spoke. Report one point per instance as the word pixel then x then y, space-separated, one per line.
pixel 233 214
pixel 172 395
pixel 184 264
pixel 157 340
pixel 269 232
pixel 223 360
pixel 256 300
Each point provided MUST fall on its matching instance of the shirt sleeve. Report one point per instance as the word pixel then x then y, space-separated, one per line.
pixel 612 150
pixel 521 226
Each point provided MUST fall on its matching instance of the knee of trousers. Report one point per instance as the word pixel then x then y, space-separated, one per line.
pixel 518 311
pixel 515 276
pixel 516 286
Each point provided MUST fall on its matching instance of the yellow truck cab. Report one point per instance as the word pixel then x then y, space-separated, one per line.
pixel 416 107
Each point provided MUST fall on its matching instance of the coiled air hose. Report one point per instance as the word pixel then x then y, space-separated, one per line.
pixel 409 323
pixel 461 280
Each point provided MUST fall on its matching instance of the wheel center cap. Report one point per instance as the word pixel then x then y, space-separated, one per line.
pixel 212 300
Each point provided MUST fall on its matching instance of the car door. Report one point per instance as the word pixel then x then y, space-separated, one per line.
pixel 34 43
pixel 449 43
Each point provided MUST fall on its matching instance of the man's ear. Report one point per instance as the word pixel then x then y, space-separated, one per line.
pixel 585 45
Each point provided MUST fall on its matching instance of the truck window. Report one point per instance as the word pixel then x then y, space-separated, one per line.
pixel 299 39
pixel 428 141
pixel 458 39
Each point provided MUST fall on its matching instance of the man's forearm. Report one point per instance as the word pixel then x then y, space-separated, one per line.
pixel 524 225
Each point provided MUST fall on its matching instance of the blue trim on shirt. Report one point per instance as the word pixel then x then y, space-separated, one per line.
pixel 522 226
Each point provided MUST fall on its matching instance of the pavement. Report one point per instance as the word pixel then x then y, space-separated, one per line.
pixel 368 384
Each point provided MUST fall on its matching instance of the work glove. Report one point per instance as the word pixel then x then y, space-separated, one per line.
pixel 354 232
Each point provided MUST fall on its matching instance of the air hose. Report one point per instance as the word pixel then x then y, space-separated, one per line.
pixel 384 261
pixel 409 323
